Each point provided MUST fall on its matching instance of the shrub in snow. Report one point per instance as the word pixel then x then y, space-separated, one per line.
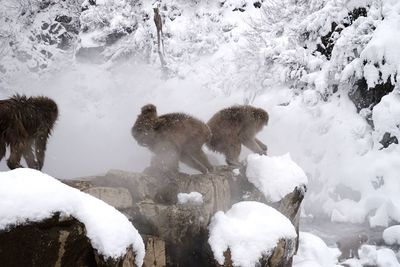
pixel 108 20
pixel 250 230
pixel 391 235
pixel 30 196
pixel 194 198
pixel 276 176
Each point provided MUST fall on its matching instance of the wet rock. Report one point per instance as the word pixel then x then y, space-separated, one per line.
pixel 53 242
pixel 364 97
pixel 387 140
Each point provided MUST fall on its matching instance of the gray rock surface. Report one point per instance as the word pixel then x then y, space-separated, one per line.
pixel 149 200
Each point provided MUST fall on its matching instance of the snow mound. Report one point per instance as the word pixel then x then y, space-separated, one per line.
pixel 275 177
pixel 30 195
pixel 391 235
pixel 250 230
pixel 194 198
pixel 313 252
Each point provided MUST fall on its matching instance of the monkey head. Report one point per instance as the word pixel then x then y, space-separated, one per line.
pixel 149 110
pixel 48 106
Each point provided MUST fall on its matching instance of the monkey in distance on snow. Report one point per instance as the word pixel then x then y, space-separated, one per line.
pixel 172 138
pixel 231 127
pixel 25 125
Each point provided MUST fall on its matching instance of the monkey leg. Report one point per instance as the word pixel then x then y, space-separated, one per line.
pixel 253 146
pixel 40 149
pixel 15 155
pixel 261 145
pixel 202 158
pixel 192 162
pixel 2 149
pixel 232 152
pixel 30 157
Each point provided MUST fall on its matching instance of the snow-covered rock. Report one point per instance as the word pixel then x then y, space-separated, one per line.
pixel 250 230
pixel 391 235
pixel 31 196
pixel 313 252
pixel 274 176
pixel 194 198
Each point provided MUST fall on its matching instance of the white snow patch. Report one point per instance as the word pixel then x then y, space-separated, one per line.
pixel 194 198
pixel 391 235
pixel 387 258
pixel 30 196
pixel 250 230
pixel 274 176
pixel 313 252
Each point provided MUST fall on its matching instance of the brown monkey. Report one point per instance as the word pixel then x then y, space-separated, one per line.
pixel 349 246
pixel 173 137
pixel 234 126
pixel 25 125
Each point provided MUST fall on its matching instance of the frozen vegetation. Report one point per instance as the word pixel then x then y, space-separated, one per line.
pixel 325 70
pixel 109 231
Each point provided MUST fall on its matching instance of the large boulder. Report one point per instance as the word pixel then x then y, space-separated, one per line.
pixel 150 201
pixel 57 241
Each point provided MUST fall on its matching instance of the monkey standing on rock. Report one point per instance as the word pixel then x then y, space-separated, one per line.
pixel 25 125
pixel 234 126
pixel 172 138
pixel 350 245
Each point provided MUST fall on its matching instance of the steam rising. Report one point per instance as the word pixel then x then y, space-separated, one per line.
pixel 98 107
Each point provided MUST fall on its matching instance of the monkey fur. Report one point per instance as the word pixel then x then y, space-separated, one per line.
pixel 172 138
pixel 349 246
pixel 234 126
pixel 25 125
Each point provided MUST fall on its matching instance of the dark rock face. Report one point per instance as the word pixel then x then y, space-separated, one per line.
pixel 149 200
pixel 387 140
pixel 52 242
pixel 364 97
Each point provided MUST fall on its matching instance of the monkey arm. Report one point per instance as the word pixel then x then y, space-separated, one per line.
pixel 261 144
pixel 253 146
pixel 29 156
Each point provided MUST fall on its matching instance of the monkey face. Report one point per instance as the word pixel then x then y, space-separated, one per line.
pixel 149 108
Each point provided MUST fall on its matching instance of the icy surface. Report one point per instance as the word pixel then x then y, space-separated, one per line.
pixel 274 176
pixel 249 229
pixel 30 196
pixel 194 198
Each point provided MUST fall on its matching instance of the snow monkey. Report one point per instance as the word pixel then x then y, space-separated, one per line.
pixel 234 126
pixel 349 246
pixel 172 138
pixel 158 23
pixel 25 125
